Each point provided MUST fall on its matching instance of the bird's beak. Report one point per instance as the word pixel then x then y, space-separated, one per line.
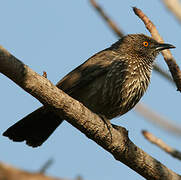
pixel 162 46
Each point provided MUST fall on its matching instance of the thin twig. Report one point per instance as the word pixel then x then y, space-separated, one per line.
pixel 169 59
pixel 45 166
pixel 161 144
pixel 110 22
pixel 157 119
pixel 175 7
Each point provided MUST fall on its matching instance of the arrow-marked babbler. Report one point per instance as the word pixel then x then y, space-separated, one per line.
pixel 110 83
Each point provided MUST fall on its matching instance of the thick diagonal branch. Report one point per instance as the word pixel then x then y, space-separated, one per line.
pixel 83 119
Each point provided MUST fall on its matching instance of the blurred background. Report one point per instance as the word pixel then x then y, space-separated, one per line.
pixel 56 36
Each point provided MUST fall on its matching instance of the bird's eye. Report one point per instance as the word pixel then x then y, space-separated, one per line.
pixel 145 43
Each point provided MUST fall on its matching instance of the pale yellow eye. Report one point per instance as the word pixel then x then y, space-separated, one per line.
pixel 145 43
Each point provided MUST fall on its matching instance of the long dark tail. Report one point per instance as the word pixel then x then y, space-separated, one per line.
pixel 34 128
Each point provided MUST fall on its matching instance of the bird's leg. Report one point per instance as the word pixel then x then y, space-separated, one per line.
pixel 107 123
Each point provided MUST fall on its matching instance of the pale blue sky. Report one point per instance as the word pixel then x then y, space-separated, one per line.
pixel 56 36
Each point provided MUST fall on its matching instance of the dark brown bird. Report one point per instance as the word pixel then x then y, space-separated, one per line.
pixel 110 83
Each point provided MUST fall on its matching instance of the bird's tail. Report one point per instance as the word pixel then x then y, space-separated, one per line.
pixel 35 128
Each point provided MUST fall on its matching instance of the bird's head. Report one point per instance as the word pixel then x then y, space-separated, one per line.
pixel 140 45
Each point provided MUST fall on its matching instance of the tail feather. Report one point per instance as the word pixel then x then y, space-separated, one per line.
pixel 35 128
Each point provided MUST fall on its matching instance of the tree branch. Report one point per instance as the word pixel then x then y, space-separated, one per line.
pixel 157 119
pixel 83 119
pixel 10 173
pixel 175 7
pixel 161 144
pixel 169 59
pixel 110 22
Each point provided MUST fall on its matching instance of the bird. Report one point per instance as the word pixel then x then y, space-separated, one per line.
pixel 110 83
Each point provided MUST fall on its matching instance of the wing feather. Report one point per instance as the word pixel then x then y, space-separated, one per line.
pixel 84 74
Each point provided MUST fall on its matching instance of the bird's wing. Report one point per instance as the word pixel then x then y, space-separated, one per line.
pixel 93 68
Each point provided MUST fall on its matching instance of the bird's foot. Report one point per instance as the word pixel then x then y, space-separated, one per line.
pixel 107 123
